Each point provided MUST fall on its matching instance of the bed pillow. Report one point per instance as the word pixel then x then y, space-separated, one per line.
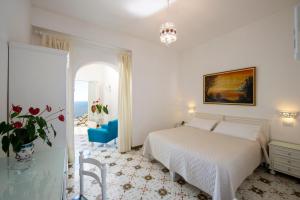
pixel 205 124
pixel 245 131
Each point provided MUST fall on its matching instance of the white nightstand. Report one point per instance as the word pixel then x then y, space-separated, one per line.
pixel 285 158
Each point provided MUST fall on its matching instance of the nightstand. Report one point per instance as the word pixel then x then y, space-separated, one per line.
pixel 285 158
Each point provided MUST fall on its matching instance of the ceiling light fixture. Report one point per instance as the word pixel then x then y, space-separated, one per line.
pixel 168 31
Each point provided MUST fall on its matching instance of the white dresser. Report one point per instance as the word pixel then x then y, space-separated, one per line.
pixel 285 158
pixel 44 179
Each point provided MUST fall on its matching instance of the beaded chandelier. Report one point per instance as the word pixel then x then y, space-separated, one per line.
pixel 168 32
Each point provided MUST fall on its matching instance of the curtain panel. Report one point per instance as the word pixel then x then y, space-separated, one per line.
pixel 55 42
pixel 125 104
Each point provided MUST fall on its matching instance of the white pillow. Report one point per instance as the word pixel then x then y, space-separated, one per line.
pixel 205 124
pixel 245 131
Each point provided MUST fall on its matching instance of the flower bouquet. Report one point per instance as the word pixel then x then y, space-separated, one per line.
pixel 99 108
pixel 22 130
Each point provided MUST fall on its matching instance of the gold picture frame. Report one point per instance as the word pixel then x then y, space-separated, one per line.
pixel 234 87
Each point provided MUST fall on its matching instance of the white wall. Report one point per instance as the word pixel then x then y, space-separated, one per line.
pixel 98 72
pixel 266 44
pixel 154 71
pixel 15 25
pixel 15 20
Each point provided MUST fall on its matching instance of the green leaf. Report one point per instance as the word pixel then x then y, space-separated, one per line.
pixel 41 122
pixel 31 132
pixel 42 134
pixel 31 121
pixel 49 143
pixel 25 116
pixel 2 127
pixel 54 131
pixel 7 128
pixel 5 143
pixel 16 142
pixel 99 108
pixel 105 109
pixel 13 115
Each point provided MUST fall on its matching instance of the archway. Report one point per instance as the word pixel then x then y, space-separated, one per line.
pixel 97 81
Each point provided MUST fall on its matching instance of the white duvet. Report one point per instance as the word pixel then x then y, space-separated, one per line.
pixel 215 163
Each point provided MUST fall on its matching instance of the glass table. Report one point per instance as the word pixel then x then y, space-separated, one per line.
pixel 44 177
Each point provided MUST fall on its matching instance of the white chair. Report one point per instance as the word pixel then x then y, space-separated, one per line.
pixel 82 172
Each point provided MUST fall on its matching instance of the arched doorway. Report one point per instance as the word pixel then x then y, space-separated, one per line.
pixel 94 82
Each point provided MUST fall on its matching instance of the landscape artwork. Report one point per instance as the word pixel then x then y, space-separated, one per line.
pixel 236 87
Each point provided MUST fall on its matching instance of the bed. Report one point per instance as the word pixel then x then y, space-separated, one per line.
pixel 215 163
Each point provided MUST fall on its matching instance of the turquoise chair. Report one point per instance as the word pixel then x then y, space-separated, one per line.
pixel 105 133
pixel 105 126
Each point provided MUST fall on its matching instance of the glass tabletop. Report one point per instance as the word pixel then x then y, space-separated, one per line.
pixel 40 178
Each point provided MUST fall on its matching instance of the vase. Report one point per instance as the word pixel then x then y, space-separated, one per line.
pixel 99 121
pixel 25 154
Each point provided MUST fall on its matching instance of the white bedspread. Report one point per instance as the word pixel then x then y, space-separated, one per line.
pixel 215 163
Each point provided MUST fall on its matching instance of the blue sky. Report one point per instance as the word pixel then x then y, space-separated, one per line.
pixel 81 91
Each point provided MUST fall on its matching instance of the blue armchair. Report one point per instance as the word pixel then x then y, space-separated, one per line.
pixel 105 134
pixel 105 126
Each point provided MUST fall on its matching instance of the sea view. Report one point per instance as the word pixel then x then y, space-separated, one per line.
pixel 80 108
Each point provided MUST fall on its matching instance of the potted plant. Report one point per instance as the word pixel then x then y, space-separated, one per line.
pixel 22 130
pixel 99 108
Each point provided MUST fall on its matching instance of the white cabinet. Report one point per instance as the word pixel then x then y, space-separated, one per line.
pixel 37 77
pixel 285 158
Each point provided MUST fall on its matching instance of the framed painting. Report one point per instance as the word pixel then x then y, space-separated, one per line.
pixel 235 87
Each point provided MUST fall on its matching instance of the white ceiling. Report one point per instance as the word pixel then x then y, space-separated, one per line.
pixel 197 20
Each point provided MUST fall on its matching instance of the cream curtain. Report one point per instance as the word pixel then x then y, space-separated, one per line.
pixel 55 42
pixel 125 104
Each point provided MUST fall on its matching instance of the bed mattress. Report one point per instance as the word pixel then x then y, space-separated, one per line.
pixel 215 163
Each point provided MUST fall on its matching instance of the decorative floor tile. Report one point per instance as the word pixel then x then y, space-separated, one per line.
pixel 133 177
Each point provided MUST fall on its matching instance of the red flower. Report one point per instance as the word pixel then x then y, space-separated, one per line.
pixel 18 125
pixel 61 118
pixel 48 108
pixel 16 109
pixel 34 111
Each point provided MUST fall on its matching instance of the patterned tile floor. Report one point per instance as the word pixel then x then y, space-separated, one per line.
pixel 133 177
